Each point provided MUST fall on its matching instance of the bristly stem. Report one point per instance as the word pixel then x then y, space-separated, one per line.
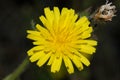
pixel 18 71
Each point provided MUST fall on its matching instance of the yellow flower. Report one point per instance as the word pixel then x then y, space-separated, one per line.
pixel 63 37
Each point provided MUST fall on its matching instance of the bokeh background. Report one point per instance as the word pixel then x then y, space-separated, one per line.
pixel 16 16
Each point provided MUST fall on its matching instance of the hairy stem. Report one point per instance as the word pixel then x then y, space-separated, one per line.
pixel 18 71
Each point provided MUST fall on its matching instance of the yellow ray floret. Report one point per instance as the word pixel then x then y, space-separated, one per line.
pixel 62 38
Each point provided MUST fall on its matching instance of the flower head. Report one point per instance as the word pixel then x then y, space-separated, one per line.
pixel 63 37
pixel 106 12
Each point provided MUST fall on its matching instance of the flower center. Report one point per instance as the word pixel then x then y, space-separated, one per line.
pixel 60 41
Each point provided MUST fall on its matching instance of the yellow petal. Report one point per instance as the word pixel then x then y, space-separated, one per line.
pixel 35 37
pixel 84 27
pixel 81 21
pixel 36 56
pixel 49 27
pixel 76 61
pixel 86 42
pixel 55 67
pixel 64 10
pixel 78 30
pixel 68 64
pixel 44 32
pixel 34 49
pixel 62 22
pixel 40 28
pixel 86 34
pixel 37 33
pixel 49 15
pixel 81 57
pixel 56 13
pixel 84 60
pixel 56 19
pixel 51 59
pixel 40 42
pixel 44 22
pixel 63 18
pixel 87 49
pixel 72 24
pixel 43 59
pixel 66 25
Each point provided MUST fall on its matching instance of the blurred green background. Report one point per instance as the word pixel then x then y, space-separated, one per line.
pixel 15 19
